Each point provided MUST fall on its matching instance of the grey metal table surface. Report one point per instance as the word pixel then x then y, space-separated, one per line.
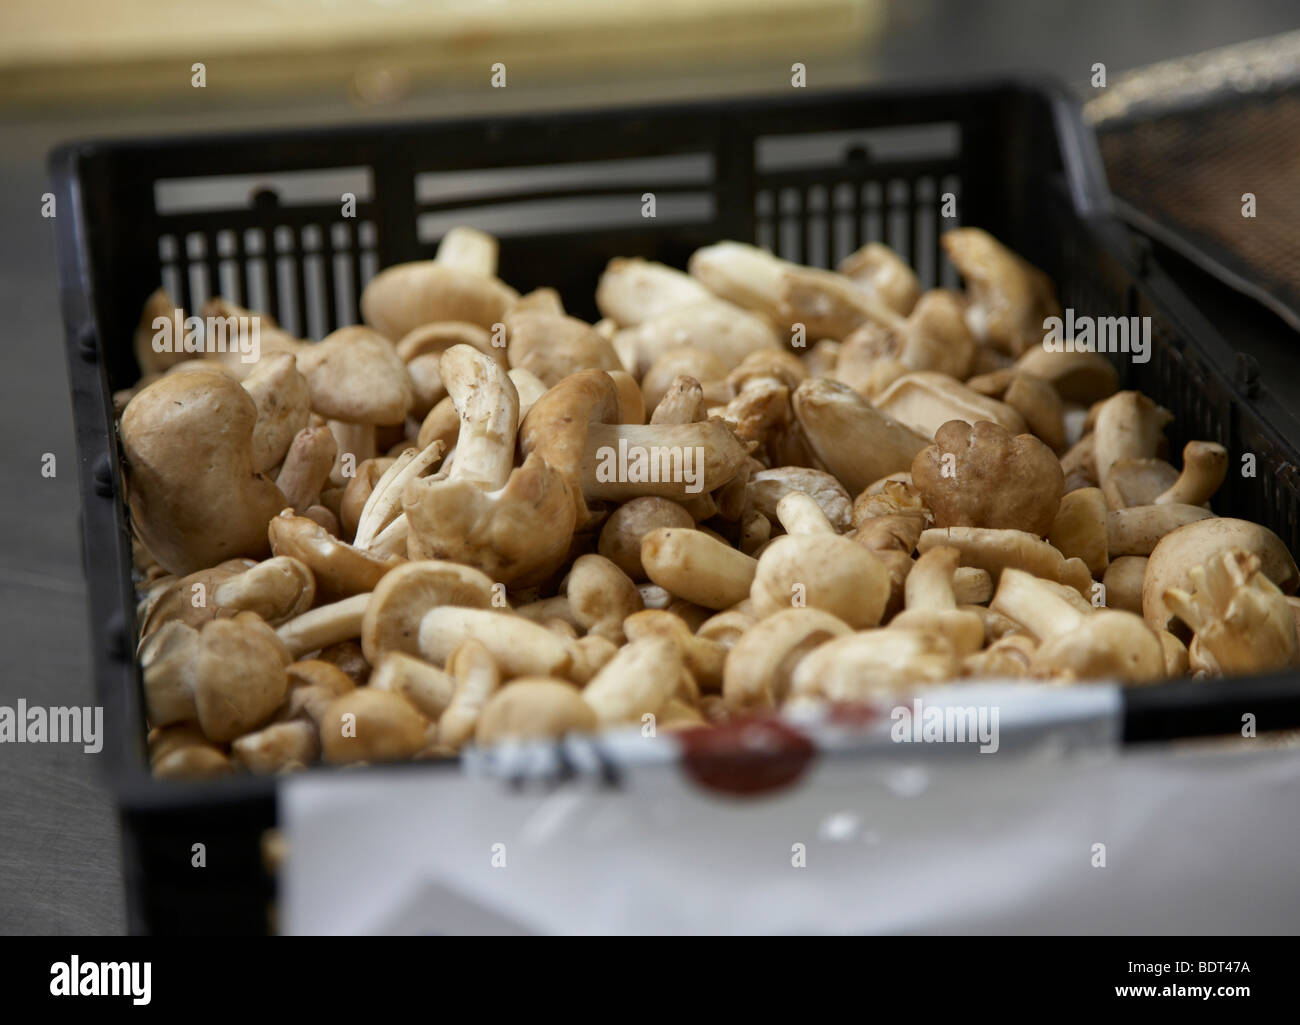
pixel 60 866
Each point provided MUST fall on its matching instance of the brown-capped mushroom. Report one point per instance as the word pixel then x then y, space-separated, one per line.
pixel 229 675
pixel 283 408
pixel 370 725
pixel 194 497
pixel 400 600
pixel 982 476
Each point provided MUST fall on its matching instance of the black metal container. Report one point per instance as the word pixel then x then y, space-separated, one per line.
pixel 811 175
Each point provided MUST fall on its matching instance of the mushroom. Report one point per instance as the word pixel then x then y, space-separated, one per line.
pixel 933 338
pixel 279 747
pixel 148 357
pixel 925 401
pixel 340 569
pixel 678 363
pixel 1132 482
pixel 633 291
pixel 621 536
pixel 1240 619
pixel 1080 528
pixel 380 525
pixel 994 550
pixel 513 524
pixel 227 325
pixel 183 752
pixel 742 274
pixel 880 272
pixel 194 497
pixel 759 666
pixel 1195 544
pixel 517 646
pixel 357 381
pixel 812 564
pixel 981 476
pixel 766 488
pixel 369 725
pixel 477 678
pixel 699 568
pixel 637 681
pixel 601 596
pixel 631 403
pixel 1137 530
pixel 873 664
pixel 852 439
pixel 533 707
pixel 1074 639
pixel 722 331
pixel 704 657
pixel 553 345
pixel 306 467
pixel 1205 464
pixel 427 687
pixel 422 348
pixel 932 604
pixel 760 411
pixel 452 286
pixel 400 600
pixel 1123 583
pixel 677 461
pixel 283 407
pixel 1010 298
pixel 1128 426
pixel 1032 397
pixel 229 675
pixel 1080 376
pixel 556 427
pixel 324 625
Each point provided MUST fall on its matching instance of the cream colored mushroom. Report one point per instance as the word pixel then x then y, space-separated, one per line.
pixel 1010 298
pixel 763 657
pixel 601 596
pixel 283 408
pixel 632 291
pixel 425 686
pixel 637 681
pixel 517 646
pixel 694 566
pixel 530 708
pixel 1088 644
pixel 369 725
pixel 401 598
pixel 932 604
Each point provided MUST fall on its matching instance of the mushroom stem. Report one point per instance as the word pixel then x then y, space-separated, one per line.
pixel 929 585
pixel 488 406
pixel 469 249
pixel 385 500
pixel 321 627
pixel 1139 528
pixel 800 514
pixel 1205 464
pixel 355 439
pixel 1034 604
pixel 307 466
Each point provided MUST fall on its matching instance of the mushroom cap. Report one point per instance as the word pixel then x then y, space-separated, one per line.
pixel 680 361
pixel 555 345
pixel 402 597
pixel 436 338
pixel 534 707
pixel 195 500
pixel 993 480
pixel 384 727
pixel 339 568
pixel 620 538
pixel 1133 482
pixel 713 326
pixel 926 400
pixel 239 676
pixel 766 488
pixel 1014 297
pixel 283 407
pixel 829 572
pixel 409 295
pixel 854 440
pixel 518 535
pixel 1079 529
pixel 885 274
pixel 1084 377
pixel 555 429
pixel 1194 544
pixel 632 290
pixel 355 375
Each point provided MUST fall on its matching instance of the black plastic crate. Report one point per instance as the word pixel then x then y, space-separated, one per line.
pixel 811 175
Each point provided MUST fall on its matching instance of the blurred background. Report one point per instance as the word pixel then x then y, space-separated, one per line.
pixel 71 69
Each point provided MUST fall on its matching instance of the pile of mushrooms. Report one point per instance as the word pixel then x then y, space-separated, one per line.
pixel 395 542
